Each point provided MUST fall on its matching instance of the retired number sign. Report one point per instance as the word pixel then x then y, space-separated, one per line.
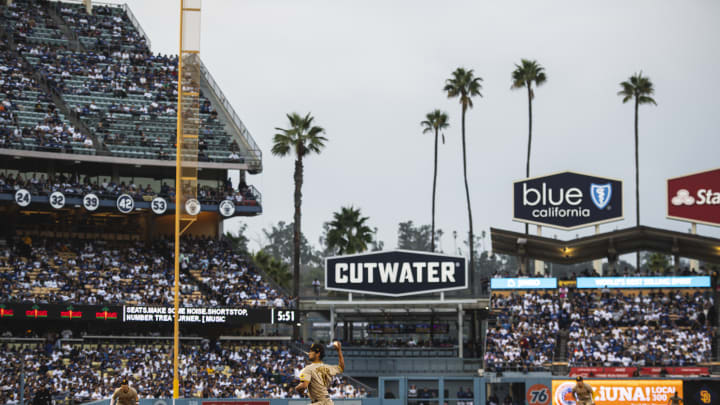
pixel 125 204
pixel 158 205
pixel 23 197
pixel 226 208
pixel 91 202
pixel 57 200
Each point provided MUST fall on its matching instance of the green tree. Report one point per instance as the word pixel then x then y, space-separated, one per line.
pixel 273 267
pixel 640 89
pixel 238 239
pixel 464 85
pixel 524 75
pixel 280 244
pixel 657 262
pixel 302 138
pixel 435 121
pixel 348 232
pixel 412 237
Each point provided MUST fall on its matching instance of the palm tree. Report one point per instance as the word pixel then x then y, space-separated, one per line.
pixel 301 139
pixel 434 122
pixel 464 85
pixel 348 233
pixel 639 88
pixel 527 72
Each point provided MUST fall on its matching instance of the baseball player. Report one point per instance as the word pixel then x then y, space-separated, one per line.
pixel 317 376
pixel 125 395
pixel 675 399
pixel 583 392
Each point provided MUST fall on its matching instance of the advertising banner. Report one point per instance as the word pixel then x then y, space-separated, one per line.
pixel 695 197
pixel 145 314
pixel 522 283
pixel 567 200
pixel 643 282
pixel 395 273
pixel 619 392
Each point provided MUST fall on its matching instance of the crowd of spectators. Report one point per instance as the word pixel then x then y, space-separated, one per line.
pixel 76 185
pixel 98 272
pixel 640 329
pixel 229 275
pixel 84 372
pixel 21 93
pixel 91 272
pixel 526 332
pixel 130 83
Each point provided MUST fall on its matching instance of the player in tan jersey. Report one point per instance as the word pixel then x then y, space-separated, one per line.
pixel 583 392
pixel 125 395
pixel 317 376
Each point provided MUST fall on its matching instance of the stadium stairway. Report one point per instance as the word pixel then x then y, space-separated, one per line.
pixel 73 41
pixel 560 358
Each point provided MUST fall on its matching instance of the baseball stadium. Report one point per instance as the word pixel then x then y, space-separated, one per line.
pixel 140 263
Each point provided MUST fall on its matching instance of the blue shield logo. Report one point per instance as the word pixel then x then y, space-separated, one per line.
pixel 600 194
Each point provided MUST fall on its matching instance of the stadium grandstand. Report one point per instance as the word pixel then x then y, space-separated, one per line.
pixel 88 144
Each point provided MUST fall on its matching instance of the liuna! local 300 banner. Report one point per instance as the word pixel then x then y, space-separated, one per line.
pixel 619 392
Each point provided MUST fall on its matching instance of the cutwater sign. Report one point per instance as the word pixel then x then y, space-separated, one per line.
pixel 522 283
pixel 395 273
pixel 567 200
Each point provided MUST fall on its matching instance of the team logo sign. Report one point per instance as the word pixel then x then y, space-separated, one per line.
pixel 600 194
pixel 125 204
pixel 158 205
pixel 192 206
pixel 23 197
pixel 57 200
pixel 226 208
pixel 91 202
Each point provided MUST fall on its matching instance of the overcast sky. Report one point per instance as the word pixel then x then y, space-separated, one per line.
pixel 369 71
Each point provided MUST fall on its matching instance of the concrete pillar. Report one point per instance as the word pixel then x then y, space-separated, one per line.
pixel 694 264
pixel 8 3
pixel 539 265
pixel 88 6
pixel 332 323
pixel 460 331
pixel 116 174
pixel 597 264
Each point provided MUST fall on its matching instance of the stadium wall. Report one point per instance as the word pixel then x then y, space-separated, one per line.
pixel 536 390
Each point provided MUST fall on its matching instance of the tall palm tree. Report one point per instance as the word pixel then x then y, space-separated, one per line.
pixel 435 122
pixel 464 85
pixel 348 233
pixel 524 75
pixel 302 138
pixel 640 89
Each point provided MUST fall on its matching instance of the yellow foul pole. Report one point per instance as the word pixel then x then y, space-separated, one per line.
pixel 178 161
pixel 186 159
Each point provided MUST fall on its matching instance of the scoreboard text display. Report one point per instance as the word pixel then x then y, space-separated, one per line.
pixel 619 392
pixel 146 314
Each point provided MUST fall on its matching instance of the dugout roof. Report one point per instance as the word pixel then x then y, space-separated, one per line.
pixel 604 245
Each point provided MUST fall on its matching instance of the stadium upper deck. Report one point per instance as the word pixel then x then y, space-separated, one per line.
pixel 89 85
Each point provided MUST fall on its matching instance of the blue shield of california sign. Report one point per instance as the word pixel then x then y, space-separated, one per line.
pixel 396 273
pixel 567 200
pixel 600 194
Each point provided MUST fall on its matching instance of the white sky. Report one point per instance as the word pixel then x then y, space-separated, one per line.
pixel 370 70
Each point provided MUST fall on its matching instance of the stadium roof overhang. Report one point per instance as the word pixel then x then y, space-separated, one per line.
pixel 606 245
pixel 391 308
pixel 26 160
